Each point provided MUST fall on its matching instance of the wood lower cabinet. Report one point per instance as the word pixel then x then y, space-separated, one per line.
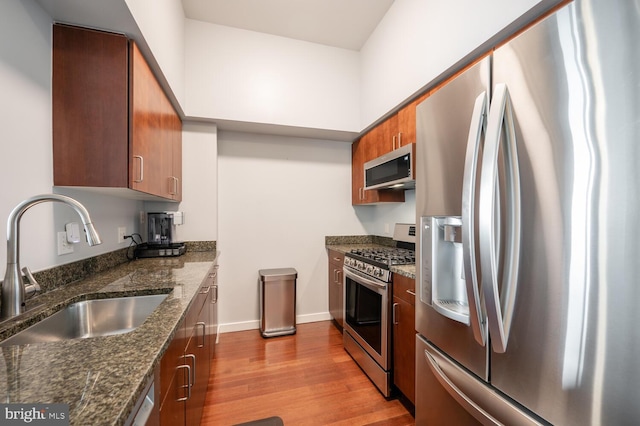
pixel 113 125
pixel 336 291
pixel 185 367
pixel 404 336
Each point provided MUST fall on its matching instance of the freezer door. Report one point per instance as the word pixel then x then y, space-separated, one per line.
pixel 443 123
pixel 449 395
pixel 573 346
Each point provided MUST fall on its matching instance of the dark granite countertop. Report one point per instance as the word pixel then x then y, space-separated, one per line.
pixel 346 244
pixel 101 378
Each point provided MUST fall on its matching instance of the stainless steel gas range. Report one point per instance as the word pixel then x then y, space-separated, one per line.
pixel 367 304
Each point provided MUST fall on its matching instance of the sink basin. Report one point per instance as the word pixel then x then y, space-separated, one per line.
pixel 90 318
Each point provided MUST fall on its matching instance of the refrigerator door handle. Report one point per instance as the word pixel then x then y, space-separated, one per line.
pixel 490 220
pixel 482 402
pixel 472 408
pixel 476 132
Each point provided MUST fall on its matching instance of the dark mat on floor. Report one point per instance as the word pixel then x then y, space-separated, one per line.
pixel 271 421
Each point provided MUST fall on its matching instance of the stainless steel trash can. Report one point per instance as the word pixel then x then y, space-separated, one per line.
pixel 277 301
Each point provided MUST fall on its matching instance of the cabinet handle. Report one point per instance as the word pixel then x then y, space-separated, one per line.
pixel 188 385
pixel 411 292
pixel 174 188
pixel 394 143
pixel 394 317
pixel 337 259
pixel 214 300
pixel 207 290
pixel 141 168
pixel 204 331
pixel 192 370
pixel 339 280
pixel 399 139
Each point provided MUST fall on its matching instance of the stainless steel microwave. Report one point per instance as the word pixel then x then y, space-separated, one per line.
pixel 392 170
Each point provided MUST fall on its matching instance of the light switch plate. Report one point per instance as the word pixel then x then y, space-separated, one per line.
pixel 64 247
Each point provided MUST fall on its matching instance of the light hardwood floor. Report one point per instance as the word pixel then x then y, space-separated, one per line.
pixel 306 379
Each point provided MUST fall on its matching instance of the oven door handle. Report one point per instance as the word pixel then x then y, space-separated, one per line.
pixel 363 280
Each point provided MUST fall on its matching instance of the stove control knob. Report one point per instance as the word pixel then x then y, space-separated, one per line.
pixel 369 269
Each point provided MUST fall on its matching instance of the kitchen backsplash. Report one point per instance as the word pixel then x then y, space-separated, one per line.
pixel 358 239
pixel 50 279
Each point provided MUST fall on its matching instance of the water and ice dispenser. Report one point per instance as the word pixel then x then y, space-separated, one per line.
pixel 443 283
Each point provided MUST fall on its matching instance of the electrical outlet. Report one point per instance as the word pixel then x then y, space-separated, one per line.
pixel 64 247
pixel 122 231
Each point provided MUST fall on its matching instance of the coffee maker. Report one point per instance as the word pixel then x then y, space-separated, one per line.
pixel 161 236
pixel 159 228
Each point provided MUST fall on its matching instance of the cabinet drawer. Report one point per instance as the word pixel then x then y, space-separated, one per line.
pixel 336 257
pixel 404 288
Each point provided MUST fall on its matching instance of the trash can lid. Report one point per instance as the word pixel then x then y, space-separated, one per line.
pixel 277 274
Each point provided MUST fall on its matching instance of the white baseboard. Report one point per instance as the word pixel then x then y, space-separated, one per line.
pixel 255 325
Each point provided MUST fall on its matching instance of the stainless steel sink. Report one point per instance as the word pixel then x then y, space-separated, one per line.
pixel 90 318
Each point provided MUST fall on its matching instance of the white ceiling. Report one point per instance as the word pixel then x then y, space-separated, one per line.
pixel 339 23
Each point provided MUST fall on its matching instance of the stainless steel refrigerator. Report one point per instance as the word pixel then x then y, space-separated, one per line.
pixel 528 200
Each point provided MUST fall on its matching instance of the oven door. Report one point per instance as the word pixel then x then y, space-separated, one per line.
pixel 366 315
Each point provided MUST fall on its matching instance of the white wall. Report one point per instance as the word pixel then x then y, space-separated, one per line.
pixel 162 25
pixel 242 75
pixel 417 40
pixel 199 185
pixel 26 153
pixel 278 198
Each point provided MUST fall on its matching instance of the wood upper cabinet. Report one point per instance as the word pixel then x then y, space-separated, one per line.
pixel 113 125
pixel 404 335
pixel 368 147
pixel 406 119
pixel 393 133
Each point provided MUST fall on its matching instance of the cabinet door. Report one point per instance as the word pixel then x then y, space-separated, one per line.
pixel 404 363
pixel 152 131
pixel 90 104
pixel 173 381
pixel 386 134
pixel 213 311
pixel 197 355
pixel 336 296
pixel 176 169
pixel 404 334
pixel 407 122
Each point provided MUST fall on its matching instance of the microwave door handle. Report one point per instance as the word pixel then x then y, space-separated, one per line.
pixel 490 219
pixel 476 133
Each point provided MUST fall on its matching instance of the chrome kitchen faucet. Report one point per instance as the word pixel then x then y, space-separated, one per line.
pixel 14 292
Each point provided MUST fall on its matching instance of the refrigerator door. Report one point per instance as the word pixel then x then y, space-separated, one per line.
pixel 442 122
pixel 573 346
pixel 449 395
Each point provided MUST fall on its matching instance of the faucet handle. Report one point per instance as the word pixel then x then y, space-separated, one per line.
pixel 33 287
